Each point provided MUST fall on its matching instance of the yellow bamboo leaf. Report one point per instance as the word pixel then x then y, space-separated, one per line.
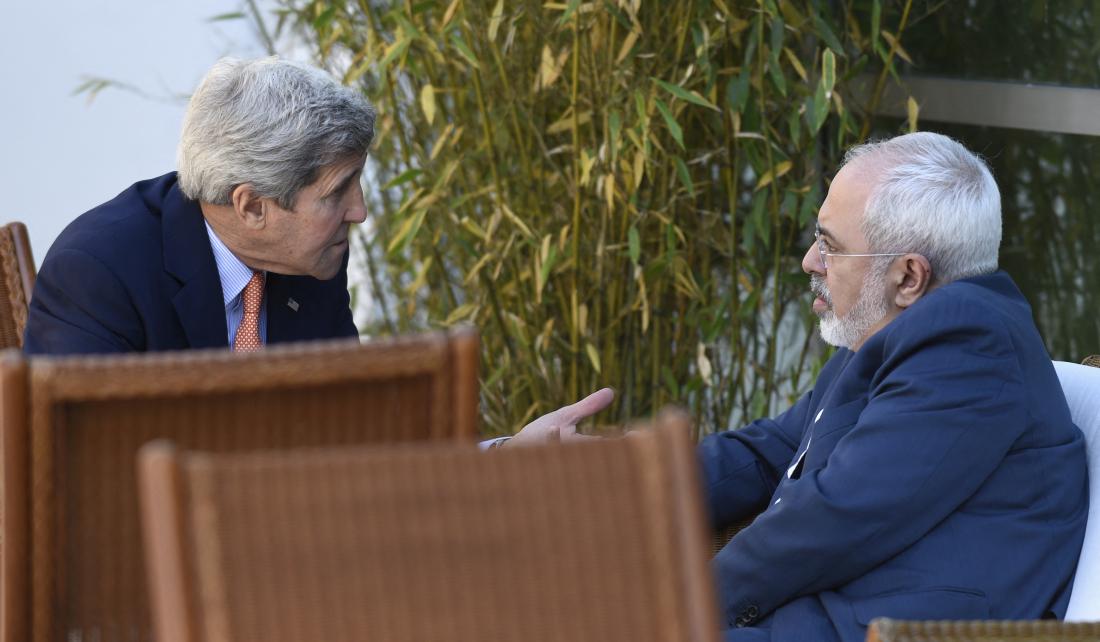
pixel 609 192
pixel 628 44
pixel 474 271
pixel 427 102
pixel 565 123
pixel 449 13
pixel 773 173
pixel 543 340
pixel 421 277
pixel 896 46
pixel 443 141
pixel 914 112
pixel 495 19
pixel 796 64
pixel 639 167
pixel 582 319
pixel 586 166
pixel 550 67
pixel 839 102
pixel 461 313
pixel 473 228
pixel 643 299
pixel 511 216
pixel 593 356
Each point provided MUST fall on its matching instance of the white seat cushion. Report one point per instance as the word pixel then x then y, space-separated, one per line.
pixel 1082 387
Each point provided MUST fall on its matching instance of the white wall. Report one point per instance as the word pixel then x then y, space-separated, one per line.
pixel 62 156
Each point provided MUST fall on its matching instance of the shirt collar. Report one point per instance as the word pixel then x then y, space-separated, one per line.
pixel 233 272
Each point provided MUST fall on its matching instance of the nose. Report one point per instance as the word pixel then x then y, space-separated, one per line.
pixel 811 261
pixel 357 210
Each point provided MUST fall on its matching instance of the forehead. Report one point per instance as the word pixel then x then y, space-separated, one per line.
pixel 842 211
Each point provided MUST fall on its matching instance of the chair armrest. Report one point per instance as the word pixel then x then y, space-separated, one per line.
pixel 888 630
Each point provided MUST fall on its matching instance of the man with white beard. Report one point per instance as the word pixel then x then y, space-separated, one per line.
pixel 933 472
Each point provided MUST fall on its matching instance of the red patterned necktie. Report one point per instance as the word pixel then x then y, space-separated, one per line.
pixel 248 333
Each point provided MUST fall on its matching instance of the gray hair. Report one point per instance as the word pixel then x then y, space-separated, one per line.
pixel 934 197
pixel 270 123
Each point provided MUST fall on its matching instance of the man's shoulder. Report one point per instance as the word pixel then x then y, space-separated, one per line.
pixel 128 225
pixel 990 304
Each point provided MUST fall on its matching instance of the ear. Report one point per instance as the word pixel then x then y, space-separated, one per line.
pixel 251 208
pixel 912 274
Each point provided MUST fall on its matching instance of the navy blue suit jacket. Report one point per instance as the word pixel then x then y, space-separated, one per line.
pixel 137 274
pixel 933 474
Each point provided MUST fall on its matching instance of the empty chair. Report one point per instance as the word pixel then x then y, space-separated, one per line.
pixel 597 541
pixel 16 283
pixel 71 561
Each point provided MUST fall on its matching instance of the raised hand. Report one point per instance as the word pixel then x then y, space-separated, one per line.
pixel 561 424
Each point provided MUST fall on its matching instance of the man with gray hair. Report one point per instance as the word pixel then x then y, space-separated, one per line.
pixel 247 244
pixel 933 472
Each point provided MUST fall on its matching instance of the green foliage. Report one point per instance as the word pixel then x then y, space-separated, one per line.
pixel 616 192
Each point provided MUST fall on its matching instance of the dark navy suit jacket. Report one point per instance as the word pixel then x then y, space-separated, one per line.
pixel 933 474
pixel 137 274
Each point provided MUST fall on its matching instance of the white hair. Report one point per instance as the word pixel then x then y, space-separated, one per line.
pixel 270 123
pixel 933 197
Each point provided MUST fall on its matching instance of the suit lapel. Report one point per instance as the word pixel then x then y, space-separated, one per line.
pixel 287 309
pixel 189 259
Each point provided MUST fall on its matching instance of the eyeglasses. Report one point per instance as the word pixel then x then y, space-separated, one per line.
pixel 823 253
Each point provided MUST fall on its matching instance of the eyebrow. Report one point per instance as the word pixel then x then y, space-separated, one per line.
pixel 823 232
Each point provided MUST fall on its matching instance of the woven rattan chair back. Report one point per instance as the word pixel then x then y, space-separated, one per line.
pixel 592 542
pixel 90 415
pixel 17 275
pixel 887 630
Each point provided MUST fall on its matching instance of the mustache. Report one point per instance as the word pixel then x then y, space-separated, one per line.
pixel 818 287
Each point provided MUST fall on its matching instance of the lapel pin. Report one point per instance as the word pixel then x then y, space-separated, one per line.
pixel 292 304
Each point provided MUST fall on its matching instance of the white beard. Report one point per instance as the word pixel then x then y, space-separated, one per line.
pixel 869 310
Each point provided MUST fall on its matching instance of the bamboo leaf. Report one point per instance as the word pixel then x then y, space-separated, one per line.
pixel 427 102
pixel 593 356
pixel 776 74
pixel 796 64
pixel 776 43
pixel 634 245
pixel 495 19
pixel 828 72
pixel 776 172
pixel 876 22
pixel 402 178
pixel 233 15
pixel 684 174
pixel 896 46
pixel 684 94
pixel 569 11
pixel 737 91
pixel 461 313
pixel 449 14
pixel 670 122
pixel 463 49
pixel 407 231
pixel 913 110
pixel 615 125
pixel 823 30
pixel 628 45
pixel 515 220
pixel 393 51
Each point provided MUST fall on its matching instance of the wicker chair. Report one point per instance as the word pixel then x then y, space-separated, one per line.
pixel 74 513
pixel 1082 388
pixel 600 541
pixel 887 630
pixel 17 275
